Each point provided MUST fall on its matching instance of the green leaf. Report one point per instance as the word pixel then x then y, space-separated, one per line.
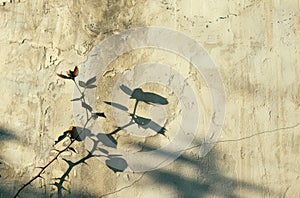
pixel 117 105
pixel 82 84
pixel 91 86
pixel 126 89
pixel 91 81
pixel 86 106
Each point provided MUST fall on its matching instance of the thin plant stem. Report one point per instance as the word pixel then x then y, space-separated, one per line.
pixel 59 152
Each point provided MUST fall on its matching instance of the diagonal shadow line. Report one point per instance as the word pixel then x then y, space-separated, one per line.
pixel 6 134
pixel 191 185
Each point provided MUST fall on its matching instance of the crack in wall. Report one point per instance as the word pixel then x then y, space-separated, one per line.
pixel 247 137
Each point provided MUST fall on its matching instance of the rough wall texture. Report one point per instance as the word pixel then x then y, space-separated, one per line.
pixel 255 45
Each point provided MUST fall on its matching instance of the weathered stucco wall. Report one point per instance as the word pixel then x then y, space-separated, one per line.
pixel 255 45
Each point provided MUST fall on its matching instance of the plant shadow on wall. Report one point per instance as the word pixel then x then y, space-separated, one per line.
pixel 108 140
pixel 76 133
pixel 140 96
pixel 208 179
pixel 114 162
pixel 73 134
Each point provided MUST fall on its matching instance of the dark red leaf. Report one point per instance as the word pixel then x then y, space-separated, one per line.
pixel 63 76
pixel 90 81
pixel 76 71
pixel 74 133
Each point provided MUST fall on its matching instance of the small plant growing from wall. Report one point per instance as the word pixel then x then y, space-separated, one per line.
pixel 77 133
pixel 72 133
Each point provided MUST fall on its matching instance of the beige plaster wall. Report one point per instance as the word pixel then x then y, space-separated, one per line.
pixel 255 45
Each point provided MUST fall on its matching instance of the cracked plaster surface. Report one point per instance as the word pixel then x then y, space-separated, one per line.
pixel 255 45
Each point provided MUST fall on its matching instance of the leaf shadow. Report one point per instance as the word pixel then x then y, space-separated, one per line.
pixel 6 135
pixel 94 152
pixel 145 123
